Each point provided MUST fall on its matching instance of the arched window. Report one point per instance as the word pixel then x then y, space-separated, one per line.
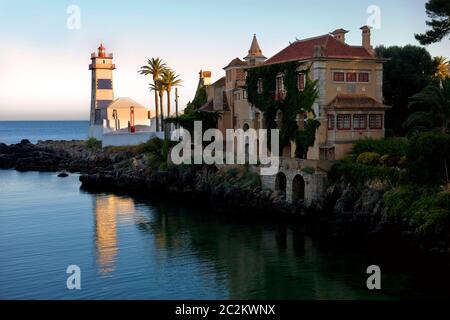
pixel 298 189
pixel 280 184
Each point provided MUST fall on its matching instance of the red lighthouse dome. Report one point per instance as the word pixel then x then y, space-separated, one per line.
pixel 101 51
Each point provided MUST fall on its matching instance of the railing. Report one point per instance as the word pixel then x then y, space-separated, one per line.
pixel 102 66
pixel 108 55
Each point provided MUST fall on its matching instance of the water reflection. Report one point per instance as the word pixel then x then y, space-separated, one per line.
pixel 109 211
pixel 249 260
pixel 228 258
pixel 132 249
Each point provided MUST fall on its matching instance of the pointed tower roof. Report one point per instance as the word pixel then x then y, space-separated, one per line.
pixel 255 51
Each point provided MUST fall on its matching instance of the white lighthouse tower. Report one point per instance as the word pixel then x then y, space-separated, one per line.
pixel 102 91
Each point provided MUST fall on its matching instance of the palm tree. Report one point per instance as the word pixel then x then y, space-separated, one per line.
pixel 155 68
pixel 170 80
pixel 442 68
pixel 159 89
pixel 437 99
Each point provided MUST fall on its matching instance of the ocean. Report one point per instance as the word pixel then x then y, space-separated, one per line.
pixel 12 132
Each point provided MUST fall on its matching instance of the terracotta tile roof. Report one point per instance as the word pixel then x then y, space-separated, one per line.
pixel 355 101
pixel 337 31
pixel 219 83
pixel 330 47
pixel 207 107
pixel 236 62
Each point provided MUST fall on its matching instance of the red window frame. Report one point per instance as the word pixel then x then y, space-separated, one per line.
pixel 338 76
pixel 331 121
pixel 373 122
pixel 301 81
pixel 351 77
pixel 340 121
pixel 360 121
pixel 363 77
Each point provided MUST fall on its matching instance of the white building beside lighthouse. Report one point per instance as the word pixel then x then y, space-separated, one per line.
pixel 115 122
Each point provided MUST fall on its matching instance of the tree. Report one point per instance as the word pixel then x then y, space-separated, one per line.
pixel 169 80
pixel 408 71
pixel 428 158
pixel 436 98
pixel 439 13
pixel 155 68
pixel 159 88
pixel 442 68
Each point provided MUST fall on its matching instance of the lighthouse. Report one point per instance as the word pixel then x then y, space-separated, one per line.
pixel 102 90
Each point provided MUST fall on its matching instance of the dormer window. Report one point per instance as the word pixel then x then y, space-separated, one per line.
pixel 260 86
pixel 301 81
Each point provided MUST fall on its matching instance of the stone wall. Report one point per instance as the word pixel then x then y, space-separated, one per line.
pixel 313 173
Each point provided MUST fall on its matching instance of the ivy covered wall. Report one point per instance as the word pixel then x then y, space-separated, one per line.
pixel 295 102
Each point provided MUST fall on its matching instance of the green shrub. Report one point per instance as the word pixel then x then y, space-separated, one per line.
pixel 92 143
pixel 403 162
pixel 427 206
pixel 392 146
pixel 232 172
pixel 368 158
pixel 428 157
pixel 309 170
pixel 390 161
pixel 151 146
pixel 241 177
pixel 384 159
pixel 350 158
pixel 358 174
pixel 157 152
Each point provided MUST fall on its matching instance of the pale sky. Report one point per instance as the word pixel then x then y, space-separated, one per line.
pixel 44 65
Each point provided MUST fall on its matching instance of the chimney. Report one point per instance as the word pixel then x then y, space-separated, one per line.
pixel 206 78
pixel 366 38
pixel 339 34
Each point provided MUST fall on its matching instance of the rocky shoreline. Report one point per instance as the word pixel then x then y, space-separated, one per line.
pixel 344 214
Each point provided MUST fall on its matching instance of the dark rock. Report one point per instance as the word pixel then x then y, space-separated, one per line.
pixel 25 141
pixel 63 175
pixel 3 148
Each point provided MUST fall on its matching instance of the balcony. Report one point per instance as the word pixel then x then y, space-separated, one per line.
pixel 94 55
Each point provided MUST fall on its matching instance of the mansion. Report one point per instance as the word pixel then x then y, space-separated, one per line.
pixel 350 91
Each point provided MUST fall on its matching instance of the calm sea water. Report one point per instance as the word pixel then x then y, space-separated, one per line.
pixel 128 248
pixel 14 131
